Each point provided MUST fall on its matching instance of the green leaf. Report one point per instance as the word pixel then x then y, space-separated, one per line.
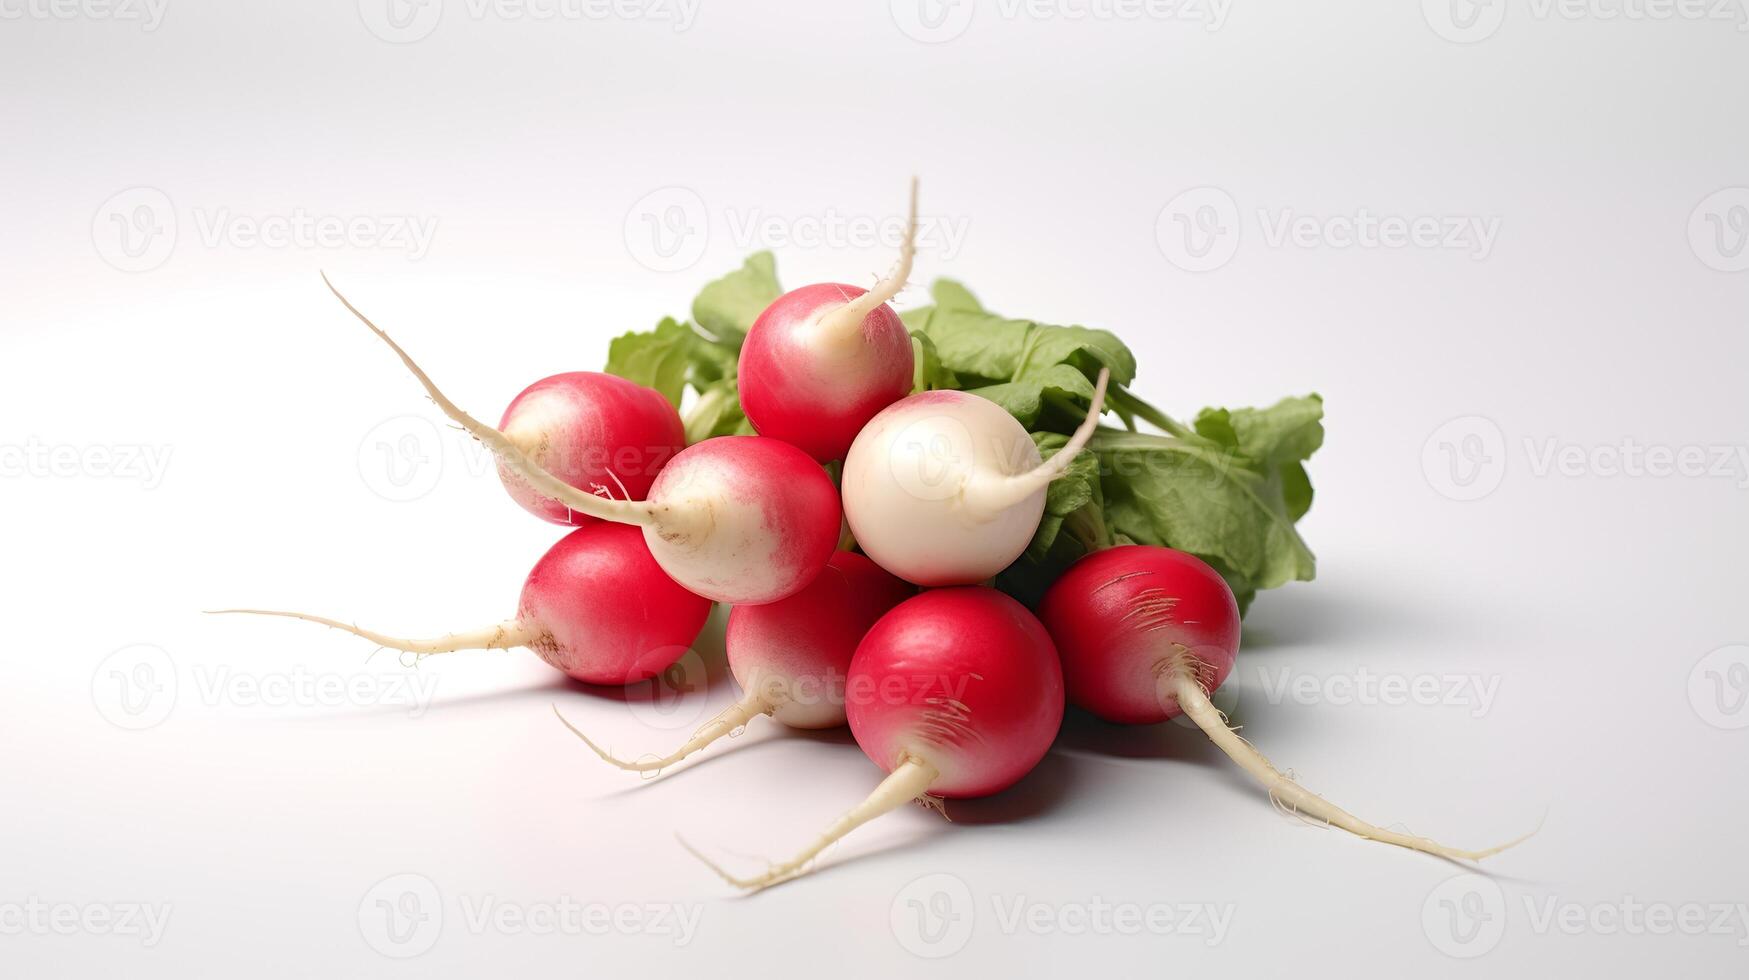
pixel 1026 399
pixel 1274 442
pixel 951 295
pixel 658 358
pixel 1083 347
pixel 1076 488
pixel 727 307
pixel 1203 498
pixel 717 413
pixel 977 344
pixel 927 374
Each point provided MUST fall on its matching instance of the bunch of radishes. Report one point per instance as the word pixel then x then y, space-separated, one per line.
pixel 857 538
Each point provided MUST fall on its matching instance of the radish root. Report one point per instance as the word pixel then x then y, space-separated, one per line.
pixel 733 717
pixel 990 495
pixel 622 511
pixel 848 318
pixel 910 780
pixel 507 635
pixel 1179 681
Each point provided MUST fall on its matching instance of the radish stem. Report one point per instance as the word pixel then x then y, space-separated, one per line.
pixel 1180 682
pixel 991 494
pixel 732 717
pixel 910 780
pixel 848 318
pixel 622 511
pixel 507 635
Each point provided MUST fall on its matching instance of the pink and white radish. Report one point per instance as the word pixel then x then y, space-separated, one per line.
pixel 792 657
pixel 946 488
pixel 821 360
pixel 596 432
pixel 1147 633
pixel 596 606
pixel 736 519
pixel 956 693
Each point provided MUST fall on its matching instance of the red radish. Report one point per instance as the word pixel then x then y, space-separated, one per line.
pixel 791 657
pixel 1146 633
pixel 597 432
pixel 596 606
pixel 823 359
pixel 946 488
pixel 737 519
pixel 956 693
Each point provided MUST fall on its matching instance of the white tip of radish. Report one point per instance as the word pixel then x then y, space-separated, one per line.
pixel 1290 796
pixel 733 718
pixel 622 511
pixel 909 780
pixel 849 317
pixel 503 636
pixel 990 494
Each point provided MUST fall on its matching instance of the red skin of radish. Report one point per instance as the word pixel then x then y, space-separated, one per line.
pixel 781 530
pixel 603 611
pixel 965 679
pixel 808 640
pixel 812 393
pixel 590 430
pixel 1119 617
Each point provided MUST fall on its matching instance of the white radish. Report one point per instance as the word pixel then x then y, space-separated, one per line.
pixel 946 488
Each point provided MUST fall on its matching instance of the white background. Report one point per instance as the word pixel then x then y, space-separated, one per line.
pixel 1603 314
